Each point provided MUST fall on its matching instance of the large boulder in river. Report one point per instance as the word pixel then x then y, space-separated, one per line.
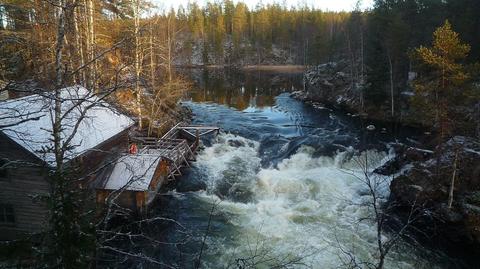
pixel 423 178
pixel 331 84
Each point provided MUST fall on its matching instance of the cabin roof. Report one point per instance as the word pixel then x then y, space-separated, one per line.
pixel 28 121
pixel 132 172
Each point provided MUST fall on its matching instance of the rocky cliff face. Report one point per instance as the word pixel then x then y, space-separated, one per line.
pixel 331 84
pixel 192 53
pixel 423 178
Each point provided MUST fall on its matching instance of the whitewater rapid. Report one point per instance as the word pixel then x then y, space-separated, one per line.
pixel 306 210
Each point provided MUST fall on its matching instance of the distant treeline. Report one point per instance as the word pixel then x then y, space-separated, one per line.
pixel 232 31
pixel 229 31
pixel 377 42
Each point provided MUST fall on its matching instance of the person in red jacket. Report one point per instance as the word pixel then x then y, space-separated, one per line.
pixel 133 149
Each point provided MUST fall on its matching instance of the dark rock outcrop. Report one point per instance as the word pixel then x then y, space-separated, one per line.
pixel 424 179
pixel 335 85
pixel 332 85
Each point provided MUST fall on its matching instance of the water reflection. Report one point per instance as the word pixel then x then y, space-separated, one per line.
pixel 241 89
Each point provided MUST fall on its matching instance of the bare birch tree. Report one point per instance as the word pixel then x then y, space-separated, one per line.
pixel 381 214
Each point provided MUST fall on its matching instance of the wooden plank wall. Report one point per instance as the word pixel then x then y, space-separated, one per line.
pixel 23 183
pixel 106 151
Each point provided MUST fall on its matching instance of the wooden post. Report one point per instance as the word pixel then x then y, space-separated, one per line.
pixel 140 200
pixel 164 167
pixel 101 196
pixel 197 138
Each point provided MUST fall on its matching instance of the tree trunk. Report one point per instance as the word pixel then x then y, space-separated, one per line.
pixel 91 44
pixel 1 19
pixel 79 45
pixel 452 184
pixel 136 15
pixel 169 49
pixel 152 58
pixel 391 85
pixel 352 61
pixel 59 72
pixel 362 72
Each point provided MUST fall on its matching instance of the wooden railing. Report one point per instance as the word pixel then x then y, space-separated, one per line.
pixel 174 149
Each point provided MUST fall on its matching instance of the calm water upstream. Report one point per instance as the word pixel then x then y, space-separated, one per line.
pixel 282 180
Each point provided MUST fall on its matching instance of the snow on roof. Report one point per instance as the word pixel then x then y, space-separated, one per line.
pixel 31 120
pixel 133 172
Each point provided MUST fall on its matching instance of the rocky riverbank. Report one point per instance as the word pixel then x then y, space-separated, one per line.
pixel 423 179
pixel 330 84
pixel 422 176
pixel 333 85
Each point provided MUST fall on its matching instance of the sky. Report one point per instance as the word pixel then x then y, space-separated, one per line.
pixel 332 5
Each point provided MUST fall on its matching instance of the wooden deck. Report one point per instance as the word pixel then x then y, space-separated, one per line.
pixel 177 146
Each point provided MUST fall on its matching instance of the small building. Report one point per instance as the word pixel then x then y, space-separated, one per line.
pixel 133 181
pixel 25 158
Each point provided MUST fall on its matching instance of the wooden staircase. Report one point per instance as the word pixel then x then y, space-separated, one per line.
pixel 177 146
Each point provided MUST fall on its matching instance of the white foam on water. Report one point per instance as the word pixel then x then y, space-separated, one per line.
pixel 306 207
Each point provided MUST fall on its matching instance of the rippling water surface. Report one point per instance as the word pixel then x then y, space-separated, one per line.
pixel 280 185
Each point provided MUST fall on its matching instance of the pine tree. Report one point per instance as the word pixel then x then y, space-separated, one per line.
pixel 240 23
pixel 195 19
pixel 444 77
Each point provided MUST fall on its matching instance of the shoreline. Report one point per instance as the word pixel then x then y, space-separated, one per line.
pixel 284 68
pixel 394 124
pixel 275 68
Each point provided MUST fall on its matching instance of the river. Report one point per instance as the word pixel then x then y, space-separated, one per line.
pixel 281 185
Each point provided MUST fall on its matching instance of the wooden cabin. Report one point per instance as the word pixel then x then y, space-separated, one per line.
pixel 25 126
pixel 133 180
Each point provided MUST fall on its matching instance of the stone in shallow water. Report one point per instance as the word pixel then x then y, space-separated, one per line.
pixel 236 143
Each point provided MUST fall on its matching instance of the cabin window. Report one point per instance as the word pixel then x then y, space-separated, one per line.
pixel 7 214
pixel 3 170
